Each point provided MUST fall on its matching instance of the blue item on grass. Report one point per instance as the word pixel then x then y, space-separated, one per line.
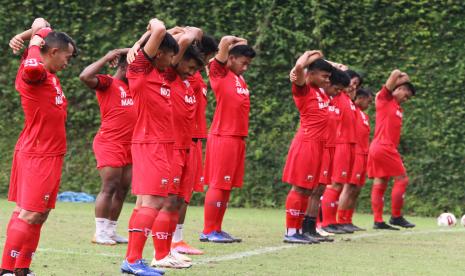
pixel 75 197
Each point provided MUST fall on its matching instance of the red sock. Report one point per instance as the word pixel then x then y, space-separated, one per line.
pixel 161 234
pixel 342 216
pixel 224 205
pixel 296 204
pixel 173 222
pixel 142 224
pixel 130 230
pixel 377 201
pixel 14 215
pixel 29 246
pixel 350 214
pixel 17 234
pixel 397 196
pixel 329 206
pixel 212 208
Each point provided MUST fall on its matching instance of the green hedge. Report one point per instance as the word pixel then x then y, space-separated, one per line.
pixel 424 38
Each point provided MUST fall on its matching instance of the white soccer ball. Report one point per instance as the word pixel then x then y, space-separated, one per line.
pixel 462 221
pixel 447 220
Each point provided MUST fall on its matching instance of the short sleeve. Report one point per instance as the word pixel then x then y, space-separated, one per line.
pixel 104 82
pixel 384 94
pixel 33 69
pixel 298 90
pixel 140 66
pixel 217 69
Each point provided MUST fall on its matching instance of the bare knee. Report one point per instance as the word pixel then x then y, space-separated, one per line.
pixel 301 190
pixel 171 203
pixel 33 217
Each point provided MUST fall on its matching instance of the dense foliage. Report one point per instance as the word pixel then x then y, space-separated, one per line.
pixel 424 38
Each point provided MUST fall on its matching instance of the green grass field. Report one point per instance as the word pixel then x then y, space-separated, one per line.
pixel 65 247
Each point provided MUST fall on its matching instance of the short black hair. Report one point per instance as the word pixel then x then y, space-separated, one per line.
pixel 352 74
pixel 59 40
pixel 193 52
pixel 320 64
pixel 122 61
pixel 242 51
pixel 363 93
pixel 409 87
pixel 169 44
pixel 339 77
pixel 208 45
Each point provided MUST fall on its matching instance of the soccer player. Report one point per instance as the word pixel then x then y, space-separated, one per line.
pixel 349 196
pixel 184 64
pixel 225 153
pixel 344 156
pixel 339 81
pixel 384 160
pixel 41 146
pixel 112 143
pixel 303 162
pixel 152 147
pixel 208 47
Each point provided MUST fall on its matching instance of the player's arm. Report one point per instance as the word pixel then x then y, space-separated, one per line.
pixel 298 72
pixel 157 33
pixel 17 42
pixel 89 75
pixel 132 53
pixel 185 39
pixel 396 78
pixel 226 43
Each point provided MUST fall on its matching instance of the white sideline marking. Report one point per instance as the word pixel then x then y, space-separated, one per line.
pixel 260 251
pixel 244 254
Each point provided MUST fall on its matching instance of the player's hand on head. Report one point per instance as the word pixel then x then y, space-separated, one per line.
pixel 292 75
pixel 16 44
pixel 153 22
pixel 402 78
pixel 176 30
pixel 132 53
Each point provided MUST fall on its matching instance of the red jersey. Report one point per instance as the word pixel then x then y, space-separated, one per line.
pixel 231 116
pixel 312 104
pixel 362 132
pixel 200 92
pixel 44 105
pixel 117 111
pixel 388 119
pixel 345 133
pixel 334 116
pixel 151 94
pixel 184 107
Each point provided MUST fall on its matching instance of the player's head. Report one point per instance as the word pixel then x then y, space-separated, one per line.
pixel 363 98
pixel 404 92
pixel 58 49
pixel 191 61
pixel 208 46
pixel 239 59
pixel 355 83
pixel 122 66
pixel 166 51
pixel 339 81
pixel 318 73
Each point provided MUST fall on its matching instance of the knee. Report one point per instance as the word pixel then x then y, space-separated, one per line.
pixel 301 190
pixel 33 217
pixel 109 187
pixel 171 203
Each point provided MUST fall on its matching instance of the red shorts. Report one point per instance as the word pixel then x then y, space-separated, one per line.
pixel 384 161
pixel 359 170
pixel 224 161
pixel 151 168
pixel 327 165
pixel 35 181
pixel 344 157
pixel 303 163
pixel 197 161
pixel 183 174
pixel 111 154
